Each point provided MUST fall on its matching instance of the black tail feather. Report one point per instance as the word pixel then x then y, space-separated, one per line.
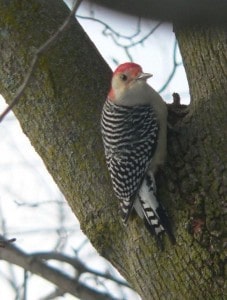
pixel 166 223
pixel 158 237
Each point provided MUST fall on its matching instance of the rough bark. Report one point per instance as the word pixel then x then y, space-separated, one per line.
pixel 60 114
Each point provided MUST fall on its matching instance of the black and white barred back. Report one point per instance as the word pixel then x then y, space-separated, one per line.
pixel 130 138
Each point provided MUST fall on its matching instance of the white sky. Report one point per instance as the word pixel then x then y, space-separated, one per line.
pixel 23 177
pixel 155 55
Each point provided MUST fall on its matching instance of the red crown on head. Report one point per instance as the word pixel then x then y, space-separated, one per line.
pixel 126 66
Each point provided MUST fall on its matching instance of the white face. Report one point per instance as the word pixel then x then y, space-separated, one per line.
pixel 122 82
pixel 127 87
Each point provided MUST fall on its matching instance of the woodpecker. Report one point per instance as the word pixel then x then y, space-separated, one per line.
pixel 134 132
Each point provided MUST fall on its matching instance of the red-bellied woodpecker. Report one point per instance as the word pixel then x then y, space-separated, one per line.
pixel 134 130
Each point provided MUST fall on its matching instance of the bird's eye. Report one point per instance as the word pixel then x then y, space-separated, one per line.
pixel 123 77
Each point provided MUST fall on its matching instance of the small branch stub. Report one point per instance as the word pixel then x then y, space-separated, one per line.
pixel 176 111
pixel 5 243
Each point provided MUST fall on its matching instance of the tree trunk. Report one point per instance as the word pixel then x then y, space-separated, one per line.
pixel 60 113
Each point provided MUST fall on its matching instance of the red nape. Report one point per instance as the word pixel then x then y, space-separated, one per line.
pixel 111 94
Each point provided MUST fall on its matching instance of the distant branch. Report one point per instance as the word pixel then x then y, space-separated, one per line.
pixel 53 295
pixel 63 281
pixel 42 49
pixel 108 31
pixel 78 265
pixel 132 43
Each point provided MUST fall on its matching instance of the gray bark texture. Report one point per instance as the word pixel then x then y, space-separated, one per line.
pixel 60 114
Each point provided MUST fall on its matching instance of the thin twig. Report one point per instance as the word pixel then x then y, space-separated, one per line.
pixel 25 285
pixel 132 44
pixel 36 57
pixel 108 27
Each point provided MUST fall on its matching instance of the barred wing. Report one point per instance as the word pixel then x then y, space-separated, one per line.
pixel 130 138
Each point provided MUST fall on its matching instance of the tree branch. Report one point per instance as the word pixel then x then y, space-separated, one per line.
pixel 77 264
pixel 203 12
pixel 67 284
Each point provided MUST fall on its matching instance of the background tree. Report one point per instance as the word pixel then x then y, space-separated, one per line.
pixel 60 113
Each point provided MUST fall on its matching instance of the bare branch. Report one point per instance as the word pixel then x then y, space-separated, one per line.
pixel 77 264
pixel 110 29
pixel 25 285
pixel 56 293
pixel 42 49
pixel 66 284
